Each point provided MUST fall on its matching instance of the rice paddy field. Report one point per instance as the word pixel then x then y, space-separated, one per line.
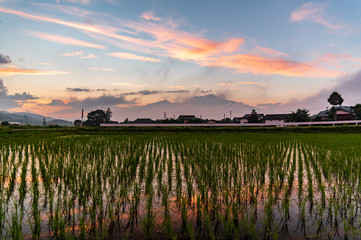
pixel 181 186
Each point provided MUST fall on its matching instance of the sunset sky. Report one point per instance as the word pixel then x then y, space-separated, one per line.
pixel 60 56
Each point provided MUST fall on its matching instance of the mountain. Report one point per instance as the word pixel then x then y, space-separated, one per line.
pixel 32 119
pixel 208 106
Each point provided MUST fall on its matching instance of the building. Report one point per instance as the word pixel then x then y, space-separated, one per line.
pixel 186 118
pixel 342 113
pixel 275 118
pixel 143 120
pixel 246 117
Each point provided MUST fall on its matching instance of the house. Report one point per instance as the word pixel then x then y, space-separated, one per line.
pixel 186 118
pixel 143 120
pixel 342 113
pixel 275 118
pixel 246 117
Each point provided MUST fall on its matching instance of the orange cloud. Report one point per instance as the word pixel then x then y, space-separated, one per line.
pixel 132 56
pixel 168 41
pixel 13 71
pixel 64 40
pixel 247 63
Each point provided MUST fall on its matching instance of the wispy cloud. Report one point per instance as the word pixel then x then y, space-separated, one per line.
pixel 75 1
pixel 101 69
pixel 46 63
pixel 72 53
pixel 163 40
pixel 84 90
pixel 315 12
pixel 150 16
pixel 22 71
pixel 131 56
pixel 63 40
pixel 90 56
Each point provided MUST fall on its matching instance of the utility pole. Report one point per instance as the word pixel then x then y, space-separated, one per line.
pixel 165 115
pixel 81 120
pixel 224 116
pixel 230 114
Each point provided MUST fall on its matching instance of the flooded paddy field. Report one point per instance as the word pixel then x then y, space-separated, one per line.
pixel 186 186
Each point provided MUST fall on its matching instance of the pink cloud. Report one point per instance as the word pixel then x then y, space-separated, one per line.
pixel 169 41
pixel 150 16
pixel 314 12
pixel 102 69
pixel 64 40
pixel 131 56
pixel 90 56
pixel 72 53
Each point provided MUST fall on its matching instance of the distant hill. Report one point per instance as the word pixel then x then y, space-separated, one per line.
pixel 209 106
pixel 32 119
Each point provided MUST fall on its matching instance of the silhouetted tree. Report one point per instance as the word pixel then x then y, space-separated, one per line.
pixel 77 123
pixel 335 99
pixel 5 123
pixel 254 117
pixel 95 118
pixel 301 115
pixel 357 110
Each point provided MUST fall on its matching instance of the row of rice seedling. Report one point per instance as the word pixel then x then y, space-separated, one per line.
pixel 240 186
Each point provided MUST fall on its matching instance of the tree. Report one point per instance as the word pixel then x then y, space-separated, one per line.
pixel 95 118
pixel 357 110
pixel 108 114
pixel 77 123
pixel 301 115
pixel 254 117
pixel 335 99
pixel 5 123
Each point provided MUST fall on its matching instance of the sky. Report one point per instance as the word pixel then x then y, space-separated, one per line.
pixel 59 56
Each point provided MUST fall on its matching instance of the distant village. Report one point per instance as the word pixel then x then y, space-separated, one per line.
pixel 342 113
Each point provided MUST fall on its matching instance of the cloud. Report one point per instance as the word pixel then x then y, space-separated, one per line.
pixel 150 16
pixel 90 56
pixel 46 63
pixel 21 71
pixel 164 40
pixel 314 12
pixel 102 101
pixel 72 53
pixel 131 56
pixel 12 100
pixel 85 90
pixel 84 2
pixel 56 102
pixel 4 59
pixel 102 69
pixel 78 89
pixel 153 92
pixel 267 105
pixel 247 63
pixel 64 40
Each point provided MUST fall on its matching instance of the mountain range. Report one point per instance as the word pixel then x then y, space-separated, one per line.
pixel 32 119
pixel 208 107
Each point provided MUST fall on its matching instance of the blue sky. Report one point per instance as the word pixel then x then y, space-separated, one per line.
pixel 64 55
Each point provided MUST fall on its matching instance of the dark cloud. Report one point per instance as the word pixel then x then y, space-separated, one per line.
pixel 85 90
pixel 4 59
pixel 152 92
pixel 12 100
pixel 206 91
pixel 78 90
pixel 95 102
pixel 265 105
pixel 56 102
